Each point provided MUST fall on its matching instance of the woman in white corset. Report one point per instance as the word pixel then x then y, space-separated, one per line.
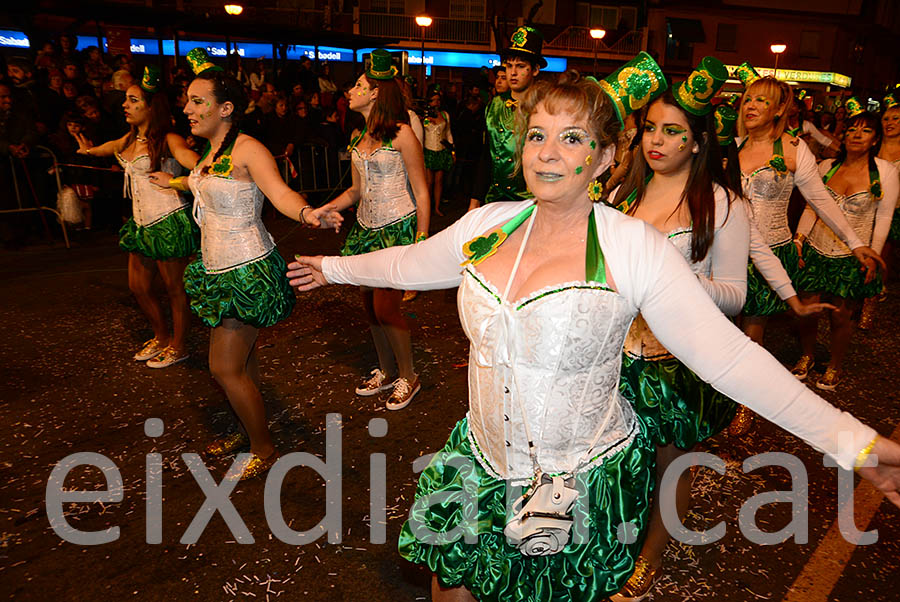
pixel 890 151
pixel 548 288
pixel 390 187
pixel 438 145
pixel 160 237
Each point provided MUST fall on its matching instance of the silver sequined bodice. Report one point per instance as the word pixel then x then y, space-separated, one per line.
pixel 560 349
pixel 859 209
pixel 229 213
pixel 385 193
pixel 149 202
pixel 434 133
pixel 769 194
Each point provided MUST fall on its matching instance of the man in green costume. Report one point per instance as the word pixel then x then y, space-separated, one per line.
pixel 497 178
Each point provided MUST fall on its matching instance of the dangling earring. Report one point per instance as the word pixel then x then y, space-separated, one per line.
pixel 595 190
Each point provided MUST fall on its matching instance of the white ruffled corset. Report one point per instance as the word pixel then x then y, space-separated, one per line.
pixel 229 213
pixel 150 203
pixel 769 194
pixel 859 209
pixel 385 194
pixel 640 341
pixel 434 133
pixel 560 349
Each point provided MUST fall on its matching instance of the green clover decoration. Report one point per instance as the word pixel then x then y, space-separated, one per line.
pixel 223 166
pixel 876 190
pixel 777 163
pixel 700 84
pixel 519 37
pixel 638 85
pixel 478 249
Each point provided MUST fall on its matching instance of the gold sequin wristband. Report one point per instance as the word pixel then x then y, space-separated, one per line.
pixel 420 236
pixel 864 454
pixel 179 183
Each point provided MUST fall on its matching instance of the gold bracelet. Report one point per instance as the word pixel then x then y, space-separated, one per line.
pixel 801 238
pixel 864 454
pixel 420 236
pixel 179 183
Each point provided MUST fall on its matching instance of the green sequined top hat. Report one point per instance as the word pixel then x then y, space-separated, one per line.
pixel 380 65
pixel 733 100
pixel 200 61
pixel 634 85
pixel 854 107
pixel 802 94
pixel 150 79
pixel 890 101
pixel 528 42
pixel 747 74
pixel 726 118
pixel 695 93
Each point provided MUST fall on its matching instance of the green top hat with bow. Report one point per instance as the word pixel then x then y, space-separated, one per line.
pixel 747 74
pixel 150 79
pixel 890 101
pixel 854 107
pixel 527 42
pixel 695 93
pixel 381 66
pixel 726 118
pixel 200 61
pixel 634 84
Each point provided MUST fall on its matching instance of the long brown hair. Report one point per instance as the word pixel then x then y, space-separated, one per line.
pixel 389 111
pixel 158 127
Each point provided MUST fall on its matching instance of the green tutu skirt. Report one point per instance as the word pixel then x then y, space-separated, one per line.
pixel 838 276
pixel 441 160
pixel 676 405
pixel 619 491
pixel 363 240
pixel 894 233
pixel 257 293
pixel 176 235
pixel 761 299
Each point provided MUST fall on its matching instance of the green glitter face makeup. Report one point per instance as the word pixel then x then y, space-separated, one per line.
pixel 593 144
pixel 579 169
pixel 684 138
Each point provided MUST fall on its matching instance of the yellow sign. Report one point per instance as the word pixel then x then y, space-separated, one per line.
pixel 814 77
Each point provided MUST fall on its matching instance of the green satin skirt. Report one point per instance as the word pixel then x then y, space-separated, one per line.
pixel 761 299
pixel 441 160
pixel 176 235
pixel 838 276
pixel 677 407
pixel 894 233
pixel 364 240
pixel 619 491
pixel 257 293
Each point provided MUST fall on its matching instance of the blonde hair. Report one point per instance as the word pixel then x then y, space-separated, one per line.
pixel 779 93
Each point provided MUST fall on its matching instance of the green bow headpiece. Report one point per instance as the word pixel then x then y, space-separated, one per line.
pixel 200 61
pixel 747 74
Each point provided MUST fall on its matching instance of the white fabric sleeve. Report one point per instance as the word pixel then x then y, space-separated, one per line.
pixel 809 182
pixel 431 264
pixel 768 264
pixel 728 285
pixel 415 125
pixel 652 274
pixel 808 218
pixel 890 186
pixel 818 136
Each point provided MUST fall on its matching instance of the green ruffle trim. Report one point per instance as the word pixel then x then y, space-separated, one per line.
pixel 838 276
pixel 761 299
pixel 257 294
pixel 176 235
pixel 441 160
pixel 894 233
pixel 619 491
pixel 363 240
pixel 676 405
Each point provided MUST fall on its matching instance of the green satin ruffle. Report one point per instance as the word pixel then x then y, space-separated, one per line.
pixel 441 160
pixel 676 405
pixel 363 240
pixel 257 293
pixel 176 235
pixel 761 299
pixel 620 490
pixel 894 233
pixel 839 276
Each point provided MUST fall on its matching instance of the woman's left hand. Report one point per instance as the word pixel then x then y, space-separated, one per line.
pixel 306 273
pixel 160 178
pixel 811 309
pixel 870 260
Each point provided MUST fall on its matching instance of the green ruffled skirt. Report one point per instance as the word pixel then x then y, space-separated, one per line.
pixel 761 299
pixel 257 293
pixel 676 405
pixel 619 491
pixel 441 160
pixel 176 235
pixel 894 233
pixel 363 240
pixel 838 276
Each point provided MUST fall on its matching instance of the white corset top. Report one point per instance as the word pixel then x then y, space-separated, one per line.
pixel 149 202
pixel 385 193
pixel 434 133
pixel 560 351
pixel 859 209
pixel 769 194
pixel 229 213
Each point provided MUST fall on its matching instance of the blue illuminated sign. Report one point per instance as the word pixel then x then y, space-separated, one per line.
pixel 472 60
pixel 13 39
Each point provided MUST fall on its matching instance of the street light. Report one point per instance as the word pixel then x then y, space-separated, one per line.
pixel 423 21
pixel 777 48
pixel 598 34
pixel 234 9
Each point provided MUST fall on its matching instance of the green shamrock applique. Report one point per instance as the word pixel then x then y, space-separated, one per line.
pixel 480 248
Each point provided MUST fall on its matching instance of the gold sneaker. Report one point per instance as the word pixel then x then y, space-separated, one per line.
pixel 830 380
pixel 226 445
pixel 742 422
pixel 253 466
pixel 640 583
pixel 802 367
pixel 150 350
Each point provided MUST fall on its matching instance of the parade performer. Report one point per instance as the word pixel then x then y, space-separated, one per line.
pixel 389 185
pixel 438 145
pixel 502 181
pixel 160 237
pixel 890 151
pixel 237 285
pixel 865 188
pixel 547 291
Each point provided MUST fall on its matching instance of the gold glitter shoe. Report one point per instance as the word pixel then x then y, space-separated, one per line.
pixel 742 422
pixel 640 583
pixel 802 367
pixel 253 466
pixel 410 295
pixel 867 315
pixel 226 445
pixel 166 358
pixel 830 380
pixel 150 350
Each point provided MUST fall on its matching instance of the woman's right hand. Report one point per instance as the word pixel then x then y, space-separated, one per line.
pixel 886 475
pixel 306 273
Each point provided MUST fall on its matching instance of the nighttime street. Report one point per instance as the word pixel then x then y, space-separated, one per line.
pixel 70 386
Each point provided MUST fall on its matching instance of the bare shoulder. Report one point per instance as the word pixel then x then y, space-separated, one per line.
pixel 248 146
pixel 405 136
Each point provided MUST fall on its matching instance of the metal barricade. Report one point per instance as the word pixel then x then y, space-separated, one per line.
pixel 317 168
pixel 38 206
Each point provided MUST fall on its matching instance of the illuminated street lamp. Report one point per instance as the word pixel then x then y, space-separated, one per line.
pixel 234 9
pixel 598 35
pixel 777 48
pixel 423 21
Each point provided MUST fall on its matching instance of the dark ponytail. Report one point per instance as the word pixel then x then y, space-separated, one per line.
pixel 227 89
